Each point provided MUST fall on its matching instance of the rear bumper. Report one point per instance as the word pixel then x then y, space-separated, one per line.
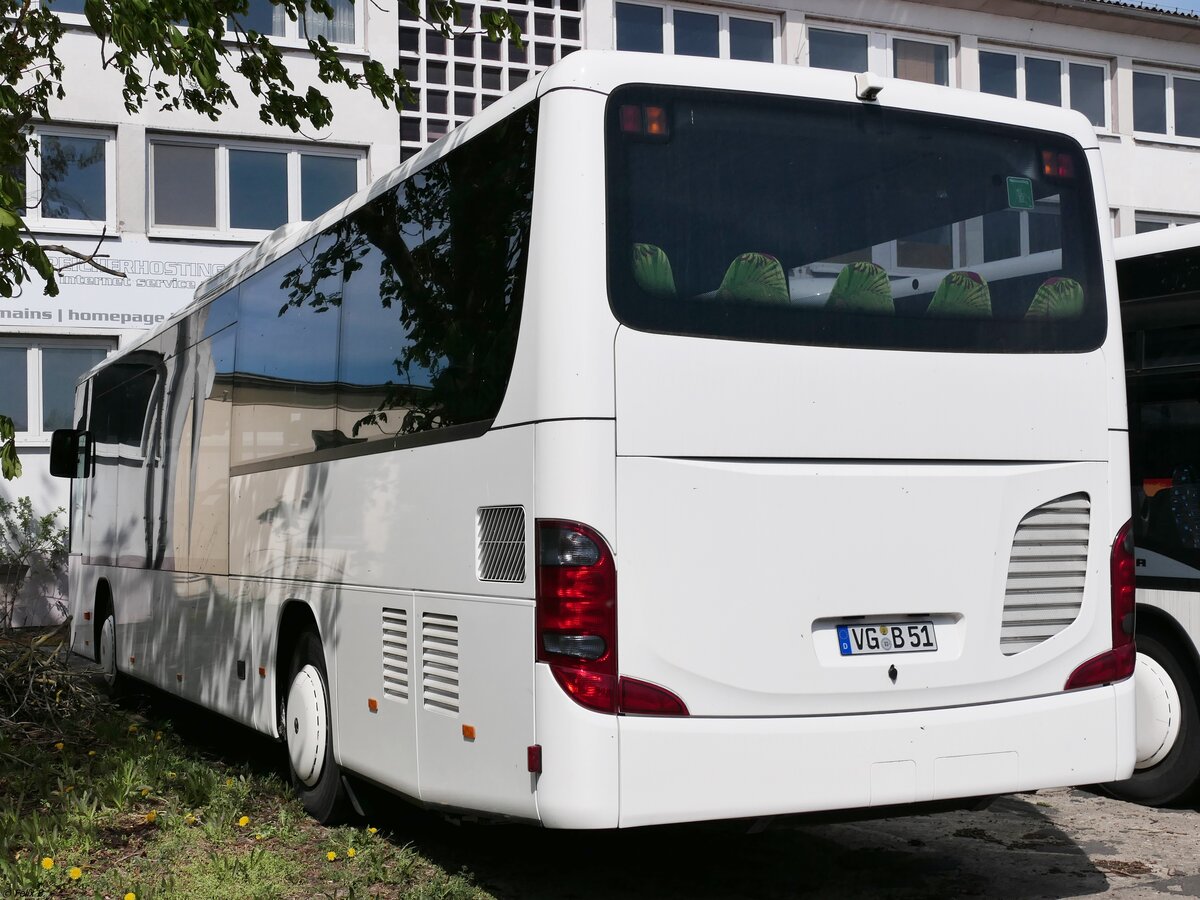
pixel 605 771
pixel 674 770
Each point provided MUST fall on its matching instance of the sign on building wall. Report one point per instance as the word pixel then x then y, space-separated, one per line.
pixel 158 279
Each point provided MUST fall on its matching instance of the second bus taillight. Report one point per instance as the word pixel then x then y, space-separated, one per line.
pixel 1118 663
pixel 577 623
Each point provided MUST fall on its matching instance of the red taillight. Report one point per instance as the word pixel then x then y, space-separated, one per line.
pixel 577 623
pixel 1115 664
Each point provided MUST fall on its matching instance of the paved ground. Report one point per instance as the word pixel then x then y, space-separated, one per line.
pixel 1062 843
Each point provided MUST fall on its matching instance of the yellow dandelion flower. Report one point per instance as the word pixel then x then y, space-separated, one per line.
pixel 59 745
pixel 133 729
pixel 371 829
pixel 258 837
pixel 130 896
pixel 91 753
pixel 189 819
pixel 145 792
pixel 351 851
pixel 228 782
pixel 75 873
pixel 170 776
pixel 331 856
pixel 243 821
pixel 47 863
pixel 151 816
pixel 158 735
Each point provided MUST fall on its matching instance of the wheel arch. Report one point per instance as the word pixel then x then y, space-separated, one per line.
pixel 1167 629
pixel 101 609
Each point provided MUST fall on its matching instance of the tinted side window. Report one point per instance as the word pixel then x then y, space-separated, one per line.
pixel 433 281
pixel 123 393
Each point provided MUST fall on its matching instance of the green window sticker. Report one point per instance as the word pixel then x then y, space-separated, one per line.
pixel 1020 193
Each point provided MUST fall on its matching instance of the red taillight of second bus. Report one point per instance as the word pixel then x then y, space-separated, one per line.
pixel 577 623
pixel 1115 664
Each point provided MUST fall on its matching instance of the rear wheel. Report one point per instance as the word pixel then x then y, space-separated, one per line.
pixel 106 655
pixel 1168 728
pixel 306 720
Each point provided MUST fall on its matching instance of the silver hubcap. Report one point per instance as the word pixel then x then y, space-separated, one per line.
pixel 108 650
pixel 1158 712
pixel 306 720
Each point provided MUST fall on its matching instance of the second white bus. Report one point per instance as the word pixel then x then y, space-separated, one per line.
pixel 677 440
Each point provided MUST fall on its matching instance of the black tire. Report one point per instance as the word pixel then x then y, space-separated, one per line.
pixel 1174 780
pixel 319 786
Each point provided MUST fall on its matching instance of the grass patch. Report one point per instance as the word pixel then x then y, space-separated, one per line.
pixel 99 800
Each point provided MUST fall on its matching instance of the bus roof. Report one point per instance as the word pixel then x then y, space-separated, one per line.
pixel 1162 241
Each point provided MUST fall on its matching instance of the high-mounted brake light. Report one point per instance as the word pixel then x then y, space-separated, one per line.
pixel 647 121
pixel 1115 664
pixel 1057 165
pixel 577 623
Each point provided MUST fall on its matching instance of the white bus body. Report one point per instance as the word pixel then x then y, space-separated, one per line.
pixel 1159 279
pixel 595 520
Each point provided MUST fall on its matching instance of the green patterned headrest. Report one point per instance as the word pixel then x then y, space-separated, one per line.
pixel 961 294
pixel 1057 298
pixel 652 271
pixel 756 277
pixel 861 287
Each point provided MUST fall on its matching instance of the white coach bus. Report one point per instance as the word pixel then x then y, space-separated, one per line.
pixel 677 440
pixel 1159 279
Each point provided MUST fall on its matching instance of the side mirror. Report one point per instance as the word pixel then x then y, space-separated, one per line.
pixel 71 453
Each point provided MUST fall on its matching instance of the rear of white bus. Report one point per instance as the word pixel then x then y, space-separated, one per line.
pixel 866 543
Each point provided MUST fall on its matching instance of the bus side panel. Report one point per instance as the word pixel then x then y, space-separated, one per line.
pixel 402 521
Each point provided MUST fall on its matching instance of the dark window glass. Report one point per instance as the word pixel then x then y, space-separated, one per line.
pixel 1141 226
pixel 325 181
pixel 122 394
pixel 258 192
pixel 639 28
pixel 1001 235
pixel 464 104
pixel 287 354
pixel 66 6
pixel 570 29
pixel 14 375
pixel 543 55
pixel 262 16
pixel 1087 92
pixel 61 368
pixel 998 73
pixel 434 279
pixel 410 40
pixel 491 79
pixel 920 61
pixel 837 50
pixel 750 215
pixel 72 177
pixel 697 34
pixel 1043 81
pixel 751 40
pixel 1187 106
pixel 1149 103
pixel 435 72
pixel 185 185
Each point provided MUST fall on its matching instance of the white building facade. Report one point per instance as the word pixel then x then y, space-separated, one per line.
pixel 166 199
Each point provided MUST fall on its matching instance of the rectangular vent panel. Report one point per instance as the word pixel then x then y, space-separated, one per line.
pixel 395 654
pixel 439 662
pixel 500 539
pixel 1046 571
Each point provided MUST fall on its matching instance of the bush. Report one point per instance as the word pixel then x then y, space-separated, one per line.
pixel 26 541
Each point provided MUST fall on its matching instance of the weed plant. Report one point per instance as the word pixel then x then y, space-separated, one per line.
pixel 105 801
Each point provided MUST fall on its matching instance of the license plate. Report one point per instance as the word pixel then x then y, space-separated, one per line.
pixel 904 637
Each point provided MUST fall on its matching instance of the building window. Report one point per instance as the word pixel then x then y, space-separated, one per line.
pixel 1076 85
pixel 1144 222
pixel 268 18
pixel 844 50
pixel 245 188
pixel 69 183
pixel 452 80
pixel 39 376
pixel 921 61
pixel 1166 104
pixel 683 31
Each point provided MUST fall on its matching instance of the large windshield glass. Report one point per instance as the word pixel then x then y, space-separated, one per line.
pixel 847 224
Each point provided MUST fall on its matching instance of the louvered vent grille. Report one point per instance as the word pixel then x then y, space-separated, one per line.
pixel 501 540
pixel 1045 573
pixel 395 654
pixel 439 662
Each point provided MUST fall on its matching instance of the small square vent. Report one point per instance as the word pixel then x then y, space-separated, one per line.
pixel 500 542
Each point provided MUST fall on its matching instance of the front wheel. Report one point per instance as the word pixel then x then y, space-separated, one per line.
pixel 106 656
pixel 306 720
pixel 1168 729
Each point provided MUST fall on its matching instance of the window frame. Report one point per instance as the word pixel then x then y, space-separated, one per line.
pixel 222 228
pixel 1064 76
pixel 1169 98
pixel 723 15
pixel 33 346
pixel 33 201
